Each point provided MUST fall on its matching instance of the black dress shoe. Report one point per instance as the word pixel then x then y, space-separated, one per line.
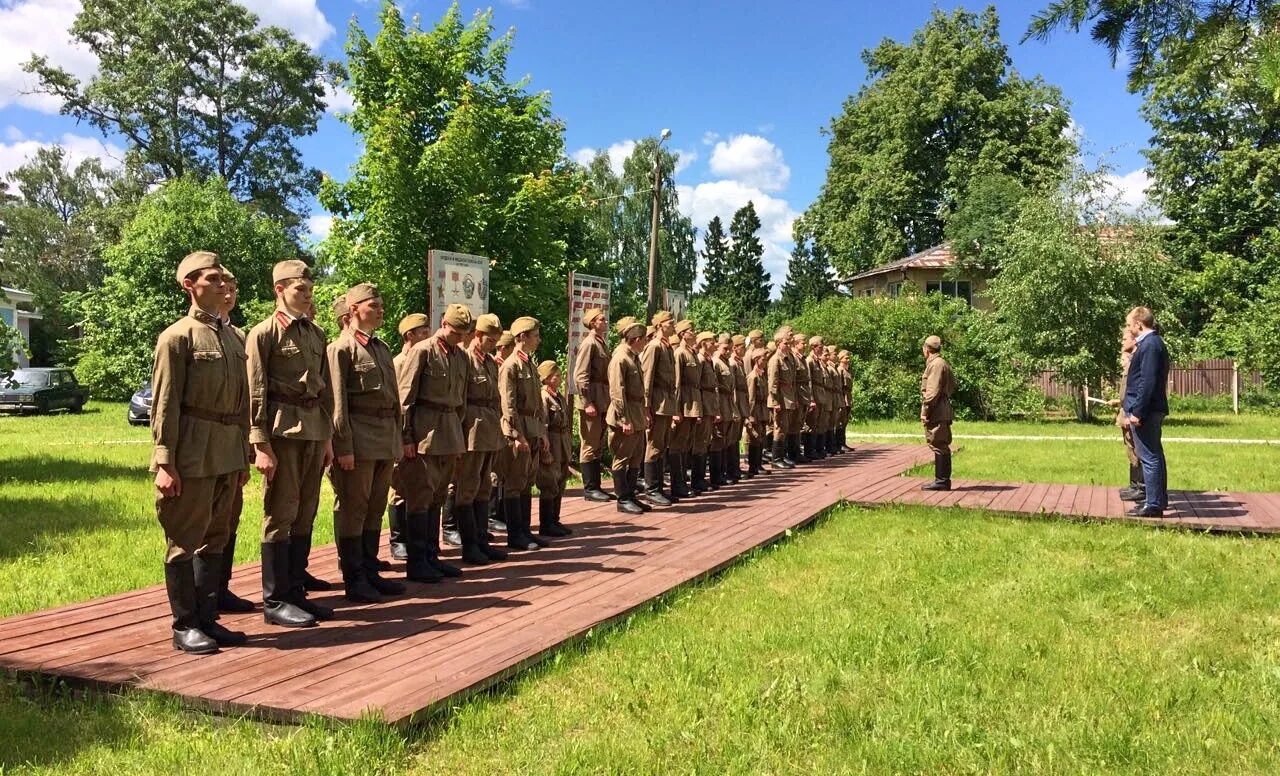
pixel 232 603
pixel 286 615
pixel 630 507
pixel 315 584
pixel 447 569
pixel 193 641
pixel 937 485
pixel 1145 511
pixel 318 611
pixel 451 537
pixel 399 552
pixel 1133 494
pixel 598 496
pixel 225 637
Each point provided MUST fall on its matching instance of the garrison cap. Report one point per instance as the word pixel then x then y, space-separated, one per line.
pixel 649 330
pixel 706 336
pixel 933 342
pixel 489 324
pixel 755 334
pixel 844 354
pixel 288 270
pixel 194 262
pixel 229 277
pixel 457 316
pixel 546 368
pixel 506 339
pixel 724 339
pixel 362 292
pixel 524 325
pixel 592 315
pixel 413 321
pixel 340 307
pixel 624 323
pixel 816 340
pixel 738 339
pixel 662 316
pixel 684 326
pixel 771 347
pixel 632 330
pixel 674 339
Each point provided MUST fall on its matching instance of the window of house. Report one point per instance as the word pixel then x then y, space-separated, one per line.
pixel 960 289
pixel 895 289
pixel 6 315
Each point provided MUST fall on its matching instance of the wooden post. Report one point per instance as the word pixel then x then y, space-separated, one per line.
pixel 1235 387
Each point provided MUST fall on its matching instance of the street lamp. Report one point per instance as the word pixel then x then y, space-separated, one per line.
pixel 653 224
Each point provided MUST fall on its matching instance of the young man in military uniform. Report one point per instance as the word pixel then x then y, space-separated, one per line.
pixel 291 429
pixel 782 401
pixel 433 387
pixel 658 362
pixel 688 391
pixel 199 410
pixel 709 435
pixel 738 365
pixel 591 379
pixel 626 414
pixel 366 443
pixel 756 423
pixel 725 387
pixel 553 468
pixel 815 419
pixel 413 329
pixel 846 401
pixel 936 387
pixel 482 427
pixel 341 313
pixel 525 428
pixel 227 600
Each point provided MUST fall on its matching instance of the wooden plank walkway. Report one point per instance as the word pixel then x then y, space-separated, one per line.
pixel 409 655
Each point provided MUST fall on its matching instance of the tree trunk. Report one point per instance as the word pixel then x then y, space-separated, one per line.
pixel 1082 405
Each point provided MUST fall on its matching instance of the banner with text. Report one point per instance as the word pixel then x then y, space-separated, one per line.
pixel 456 278
pixel 585 292
pixel 675 302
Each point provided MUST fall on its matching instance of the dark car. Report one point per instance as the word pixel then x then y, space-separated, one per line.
pixel 140 406
pixel 42 390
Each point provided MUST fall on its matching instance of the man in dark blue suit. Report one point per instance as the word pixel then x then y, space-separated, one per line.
pixel 1145 405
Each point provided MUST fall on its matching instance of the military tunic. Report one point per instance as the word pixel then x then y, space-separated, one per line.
pixel 523 419
pixel 626 405
pixel 936 387
pixel 740 399
pixel 757 415
pixel 482 427
pixel 432 386
pixel 688 392
pixel 658 362
pixel 591 378
pixel 729 414
pixel 709 384
pixel 783 401
pixel 553 468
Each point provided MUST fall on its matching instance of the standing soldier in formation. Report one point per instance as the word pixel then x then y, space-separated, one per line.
pixel 755 348
pixel 502 461
pixel 756 421
pixel 710 435
pixel 816 420
pixel 783 403
pixel 688 392
pixel 846 402
pixel 658 361
pixel 228 601
pixel 743 407
pixel 729 415
pixel 525 427
pixel 433 388
pixel 482 428
pixel 553 471
pixel 591 378
pixel 199 411
pixel 290 427
pixel 626 414
pixel 366 443
pixel 936 387
pixel 413 329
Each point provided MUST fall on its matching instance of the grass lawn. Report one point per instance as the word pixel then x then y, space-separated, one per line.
pixel 889 640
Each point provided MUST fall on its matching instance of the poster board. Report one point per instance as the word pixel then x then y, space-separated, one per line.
pixel 585 292
pixel 676 303
pixel 456 278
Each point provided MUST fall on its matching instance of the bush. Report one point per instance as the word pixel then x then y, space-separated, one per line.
pixel 884 338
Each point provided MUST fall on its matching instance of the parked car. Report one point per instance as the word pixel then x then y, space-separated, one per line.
pixel 140 406
pixel 42 390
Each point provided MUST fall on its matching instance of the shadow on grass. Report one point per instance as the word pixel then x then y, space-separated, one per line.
pixel 25 521
pixel 48 722
pixel 52 469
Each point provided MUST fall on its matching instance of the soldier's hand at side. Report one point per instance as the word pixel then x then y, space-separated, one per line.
pixel 522 446
pixel 410 451
pixel 346 462
pixel 590 410
pixel 675 419
pixel 328 454
pixel 627 428
pixel 265 462
pixel 924 419
pixel 168 481
pixel 244 478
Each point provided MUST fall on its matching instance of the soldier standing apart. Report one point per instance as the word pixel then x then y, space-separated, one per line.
pixel 525 427
pixel 936 387
pixel 783 405
pixel 658 362
pixel 553 469
pixel 846 402
pixel 743 408
pixel 688 392
pixel 626 414
pixel 413 328
pixel 710 435
pixel 756 422
pixel 198 414
pixel 227 600
pixel 482 427
pixel 433 388
pixel 291 429
pixel 366 443
pixel 591 378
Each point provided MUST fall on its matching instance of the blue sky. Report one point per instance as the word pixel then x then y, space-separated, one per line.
pixel 744 87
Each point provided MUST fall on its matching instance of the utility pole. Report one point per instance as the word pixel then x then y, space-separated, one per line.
pixel 653 224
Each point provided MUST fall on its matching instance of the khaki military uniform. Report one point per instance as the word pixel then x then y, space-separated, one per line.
pixel 729 414
pixel 366 424
pixel 553 468
pixel 783 400
pixel 626 404
pixel 522 418
pixel 688 391
pixel 846 400
pixel 819 416
pixel 291 409
pixel 706 434
pixel 658 362
pixel 432 386
pixel 936 388
pixel 591 378
pixel 757 410
pixel 741 404
pixel 482 427
pixel 199 412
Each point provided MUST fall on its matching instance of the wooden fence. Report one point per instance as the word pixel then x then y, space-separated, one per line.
pixel 1211 377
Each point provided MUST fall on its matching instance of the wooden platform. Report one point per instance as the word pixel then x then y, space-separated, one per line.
pixel 405 657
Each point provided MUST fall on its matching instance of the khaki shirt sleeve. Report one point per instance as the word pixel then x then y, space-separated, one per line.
pixel 509 393
pixel 339 364
pixel 258 347
pixel 168 383
pixel 326 393
pixel 617 387
pixel 931 387
pixel 774 388
pixel 582 371
pixel 648 370
pixel 408 375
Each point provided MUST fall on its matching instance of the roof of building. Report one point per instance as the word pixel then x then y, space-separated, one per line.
pixel 937 257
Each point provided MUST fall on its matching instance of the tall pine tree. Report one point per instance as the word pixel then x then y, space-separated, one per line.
pixel 748 281
pixel 715 259
pixel 809 276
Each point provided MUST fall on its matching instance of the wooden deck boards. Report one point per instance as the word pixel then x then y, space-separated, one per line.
pixel 410 654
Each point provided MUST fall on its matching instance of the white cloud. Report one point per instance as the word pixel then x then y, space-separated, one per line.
pixel 301 17
pixel 723 198
pixel 14 154
pixel 618 153
pixel 29 27
pixel 1130 191
pixel 685 157
pixel 751 160
pixel 338 100
pixel 318 226
pixel 710 137
pixel 13 134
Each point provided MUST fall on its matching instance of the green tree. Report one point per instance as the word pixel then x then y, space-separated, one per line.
pixel 456 157
pixel 808 272
pixel 715 258
pixel 677 257
pixel 977 228
pixel 936 113
pixel 138 297
pixel 197 87
pixel 748 284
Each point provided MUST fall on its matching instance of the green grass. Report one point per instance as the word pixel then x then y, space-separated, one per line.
pixel 891 640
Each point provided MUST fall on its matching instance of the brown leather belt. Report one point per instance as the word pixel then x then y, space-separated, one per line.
pixel 373 412
pixel 435 405
pixel 306 404
pixel 225 418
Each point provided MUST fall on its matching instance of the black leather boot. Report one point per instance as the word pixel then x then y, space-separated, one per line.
pixel 369 541
pixel 795 454
pixel 780 458
pixel 653 477
pixel 679 487
pixel 526 520
pixel 310 583
pixel 1137 490
pixel 207 570
pixel 396 514
pixel 497 517
pixel 227 600
pixel 715 467
pixel 633 485
pixel 591 490
pixel 468 528
pixel 355 585
pixel 417 568
pixel 299 549
pixel 564 529
pixel 180 582
pixel 626 498
pixel 433 545
pixel 480 510
pixel 547 525
pixel 277 609
pixel 698 474
pixel 753 463
pixel 516 538
pixel 450 533
pixel 941 473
